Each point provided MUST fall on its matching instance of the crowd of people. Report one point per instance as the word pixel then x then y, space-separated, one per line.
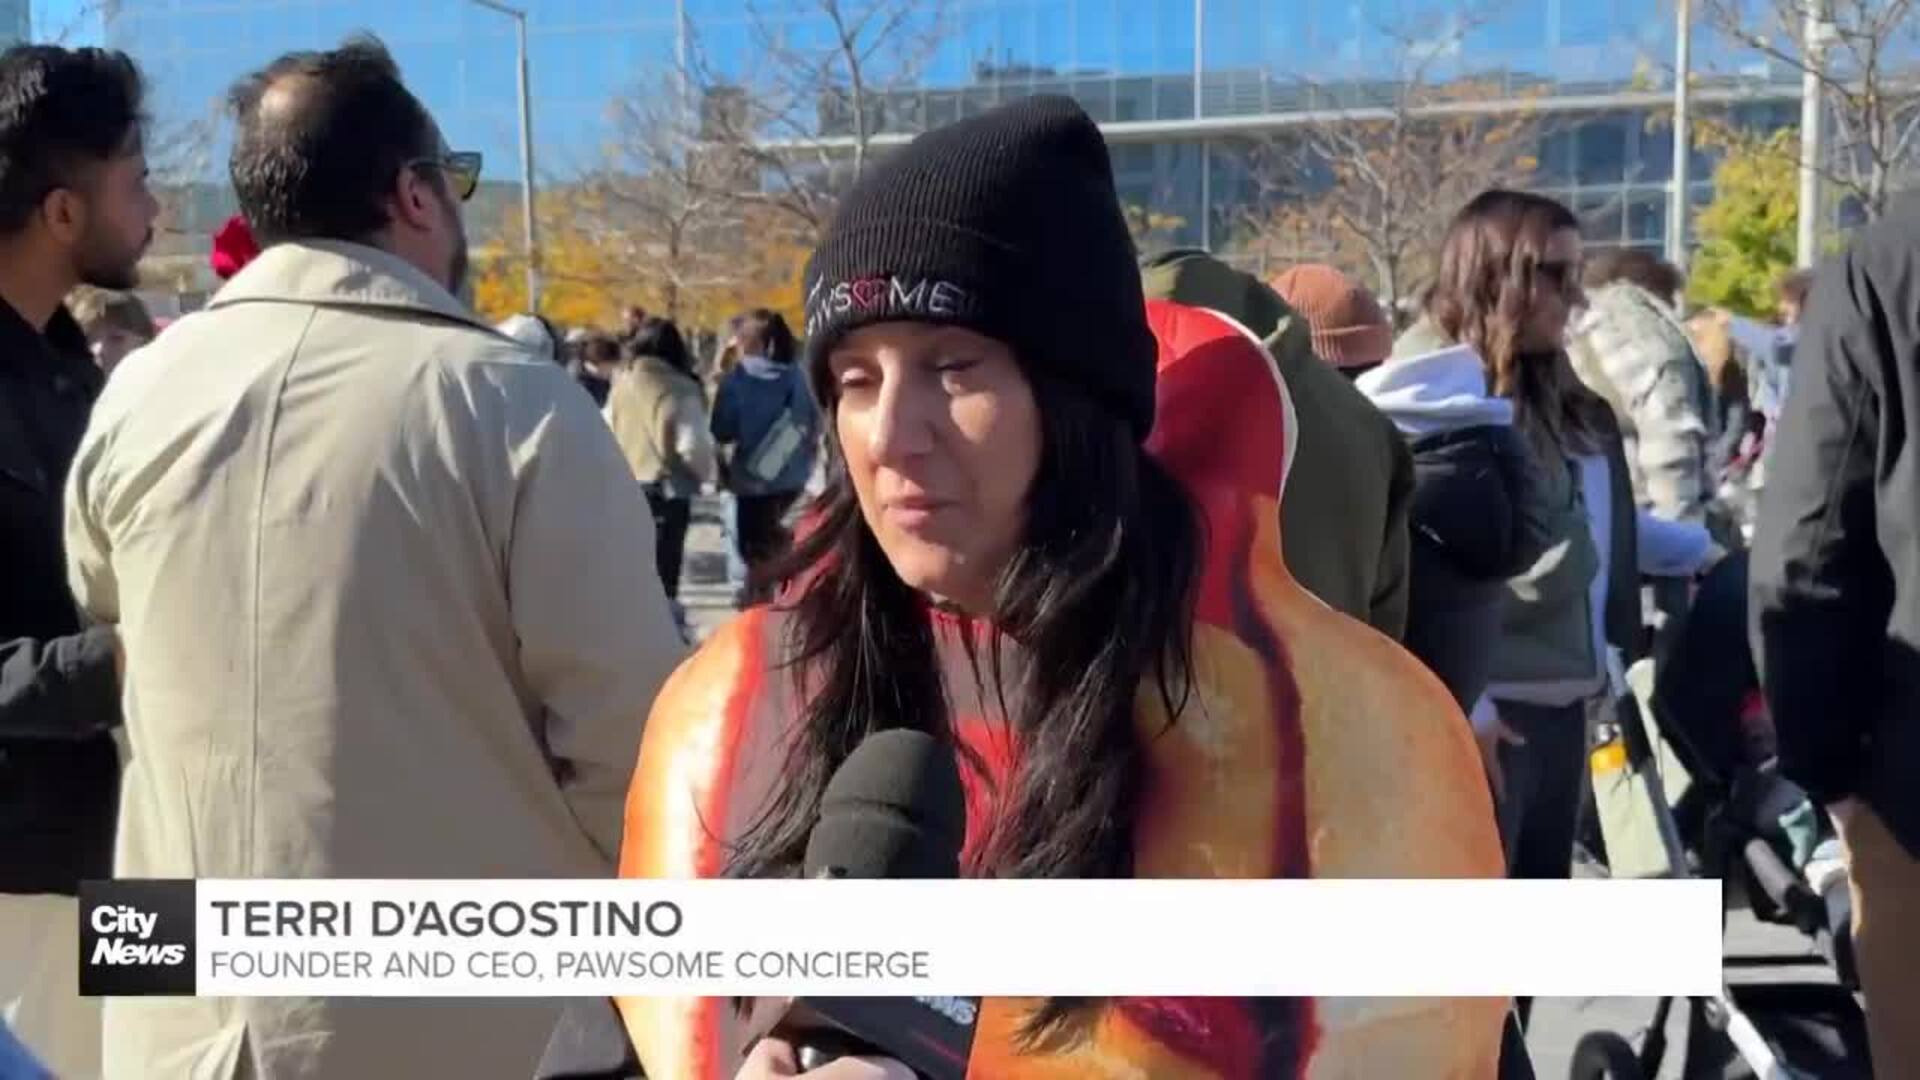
pixel 1197 574
pixel 759 441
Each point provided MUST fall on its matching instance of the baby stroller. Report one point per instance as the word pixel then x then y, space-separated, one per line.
pixel 1741 822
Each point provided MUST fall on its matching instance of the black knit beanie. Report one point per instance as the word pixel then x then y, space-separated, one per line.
pixel 1007 224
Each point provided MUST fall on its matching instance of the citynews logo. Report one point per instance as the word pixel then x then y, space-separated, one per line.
pixel 136 938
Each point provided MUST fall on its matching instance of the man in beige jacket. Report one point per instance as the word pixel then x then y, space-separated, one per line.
pixel 383 578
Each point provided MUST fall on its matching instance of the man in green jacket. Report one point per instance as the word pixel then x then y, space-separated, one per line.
pixel 1344 513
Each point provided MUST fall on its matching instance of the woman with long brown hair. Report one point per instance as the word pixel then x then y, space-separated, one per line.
pixel 1036 548
pixel 1508 284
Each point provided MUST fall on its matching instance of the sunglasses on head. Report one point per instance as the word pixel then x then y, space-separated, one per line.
pixel 460 167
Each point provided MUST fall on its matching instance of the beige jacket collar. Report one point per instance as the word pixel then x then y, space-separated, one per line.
pixel 336 273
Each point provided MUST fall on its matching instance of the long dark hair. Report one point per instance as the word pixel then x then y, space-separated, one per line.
pixel 1099 599
pixel 766 333
pixel 1489 268
pixel 660 338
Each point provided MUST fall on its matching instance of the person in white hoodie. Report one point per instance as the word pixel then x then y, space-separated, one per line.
pixel 1474 519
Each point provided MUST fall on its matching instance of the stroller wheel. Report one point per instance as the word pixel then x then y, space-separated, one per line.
pixel 1602 1055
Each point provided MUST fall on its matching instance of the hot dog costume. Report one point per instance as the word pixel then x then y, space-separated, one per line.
pixel 1312 747
pixel 1309 745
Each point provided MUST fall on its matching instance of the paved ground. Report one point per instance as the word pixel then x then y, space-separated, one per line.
pixel 704 586
pixel 1558 1023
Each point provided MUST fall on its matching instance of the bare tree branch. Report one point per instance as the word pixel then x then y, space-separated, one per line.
pixel 1868 66
pixel 795 103
pixel 69 27
pixel 711 188
pixel 1370 192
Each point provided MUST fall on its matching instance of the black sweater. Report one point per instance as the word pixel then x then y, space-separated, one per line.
pixel 1469 535
pixel 1836 566
pixel 59 696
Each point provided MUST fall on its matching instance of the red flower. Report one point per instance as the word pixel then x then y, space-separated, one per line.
pixel 233 247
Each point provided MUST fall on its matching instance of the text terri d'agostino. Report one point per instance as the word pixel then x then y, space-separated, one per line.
pixel 462 918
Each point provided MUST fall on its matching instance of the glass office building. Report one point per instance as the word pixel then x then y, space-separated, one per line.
pixel 1175 81
pixel 16 20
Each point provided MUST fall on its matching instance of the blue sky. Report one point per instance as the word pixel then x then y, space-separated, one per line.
pixel 459 58
pixel 64 18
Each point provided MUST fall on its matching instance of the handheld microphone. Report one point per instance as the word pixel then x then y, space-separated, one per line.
pixel 894 809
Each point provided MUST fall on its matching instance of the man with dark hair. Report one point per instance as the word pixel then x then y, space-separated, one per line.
pixel 320 139
pixel 74 210
pixel 381 572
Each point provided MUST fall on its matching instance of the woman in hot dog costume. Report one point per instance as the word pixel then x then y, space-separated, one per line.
pixel 1052 537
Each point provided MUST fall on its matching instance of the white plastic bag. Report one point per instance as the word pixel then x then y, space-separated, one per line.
pixel 730 530
pixel 1634 807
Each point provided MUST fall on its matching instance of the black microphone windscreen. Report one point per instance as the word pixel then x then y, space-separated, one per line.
pixel 894 809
